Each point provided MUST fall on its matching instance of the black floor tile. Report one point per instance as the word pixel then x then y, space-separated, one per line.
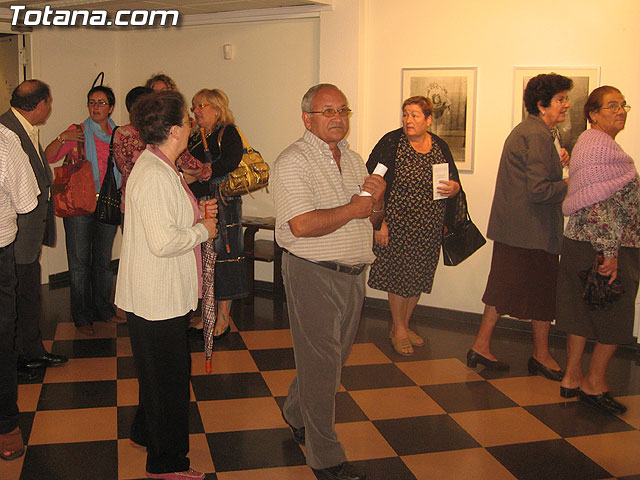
pixel 385 469
pixel 254 449
pixel 126 368
pixel 572 419
pixel 433 433
pixel 347 410
pixel 263 314
pixel 195 421
pixel 25 422
pixel 365 377
pixel 90 348
pixel 231 385
pixel 61 396
pixel 71 461
pixel 552 459
pixel 126 415
pixel 465 397
pixel 274 359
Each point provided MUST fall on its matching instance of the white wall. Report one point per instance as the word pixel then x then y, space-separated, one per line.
pixel 493 36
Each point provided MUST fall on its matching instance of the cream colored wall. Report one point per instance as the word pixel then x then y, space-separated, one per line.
pixel 494 36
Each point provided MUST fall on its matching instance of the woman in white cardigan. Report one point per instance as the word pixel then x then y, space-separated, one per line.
pixel 158 282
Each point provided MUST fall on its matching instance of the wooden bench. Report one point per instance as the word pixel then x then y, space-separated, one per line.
pixel 262 250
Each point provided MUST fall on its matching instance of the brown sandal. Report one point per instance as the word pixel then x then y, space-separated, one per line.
pixel 402 346
pixel 415 339
pixel 11 445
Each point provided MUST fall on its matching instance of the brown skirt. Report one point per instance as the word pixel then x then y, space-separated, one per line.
pixel 609 327
pixel 522 283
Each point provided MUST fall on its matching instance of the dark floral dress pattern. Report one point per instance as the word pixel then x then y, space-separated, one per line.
pixel 611 223
pixel 407 265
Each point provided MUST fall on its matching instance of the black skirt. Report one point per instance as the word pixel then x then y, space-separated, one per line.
pixel 610 327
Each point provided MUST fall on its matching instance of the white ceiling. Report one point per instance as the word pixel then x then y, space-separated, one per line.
pixel 186 7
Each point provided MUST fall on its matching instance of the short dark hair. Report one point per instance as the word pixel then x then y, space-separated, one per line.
pixel 424 103
pixel 111 98
pixel 153 115
pixel 134 94
pixel 29 94
pixel 594 102
pixel 542 88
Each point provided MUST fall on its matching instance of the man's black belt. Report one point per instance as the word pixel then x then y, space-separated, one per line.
pixel 336 267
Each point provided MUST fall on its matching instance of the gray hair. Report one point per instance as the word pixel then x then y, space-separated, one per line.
pixel 307 100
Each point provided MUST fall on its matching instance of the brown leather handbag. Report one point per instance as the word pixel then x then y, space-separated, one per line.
pixel 74 191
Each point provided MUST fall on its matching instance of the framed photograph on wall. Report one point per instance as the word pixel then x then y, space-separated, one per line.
pixel 585 79
pixel 453 93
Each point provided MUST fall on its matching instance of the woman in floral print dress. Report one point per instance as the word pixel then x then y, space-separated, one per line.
pixel 603 202
pixel 407 244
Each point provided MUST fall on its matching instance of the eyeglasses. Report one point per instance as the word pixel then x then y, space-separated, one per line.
pixel 200 106
pixel 99 103
pixel 615 107
pixel 331 112
pixel 562 100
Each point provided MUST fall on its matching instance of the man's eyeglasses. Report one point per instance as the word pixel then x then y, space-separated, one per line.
pixel 99 103
pixel 200 106
pixel 615 107
pixel 331 112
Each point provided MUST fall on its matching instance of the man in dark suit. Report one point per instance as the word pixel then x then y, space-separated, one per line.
pixel 30 107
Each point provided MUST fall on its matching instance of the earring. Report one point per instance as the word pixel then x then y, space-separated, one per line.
pixel 542 113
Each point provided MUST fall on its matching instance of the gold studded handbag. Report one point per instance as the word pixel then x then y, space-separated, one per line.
pixel 252 173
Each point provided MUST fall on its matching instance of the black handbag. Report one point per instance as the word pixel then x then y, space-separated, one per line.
pixel 461 239
pixel 108 204
pixel 598 294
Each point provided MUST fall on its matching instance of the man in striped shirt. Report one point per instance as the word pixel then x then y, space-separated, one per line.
pixel 18 194
pixel 326 230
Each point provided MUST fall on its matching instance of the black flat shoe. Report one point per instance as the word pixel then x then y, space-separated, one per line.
pixel 568 392
pixel 603 402
pixel 46 360
pixel 536 367
pixel 298 433
pixel 474 358
pixel 224 332
pixel 343 471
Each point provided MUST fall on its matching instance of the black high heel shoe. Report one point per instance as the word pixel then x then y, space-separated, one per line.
pixel 536 367
pixel 568 392
pixel 474 358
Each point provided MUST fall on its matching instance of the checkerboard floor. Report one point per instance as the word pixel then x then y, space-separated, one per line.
pixel 422 417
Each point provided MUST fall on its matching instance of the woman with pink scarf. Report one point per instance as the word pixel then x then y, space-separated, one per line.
pixel 603 202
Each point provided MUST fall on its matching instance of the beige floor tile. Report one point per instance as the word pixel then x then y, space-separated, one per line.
pixel 362 441
pixel 28 396
pixel 395 403
pixel 131 460
pixel 300 472
pixel 260 339
pixel 532 390
pixel 67 331
pixel 240 414
pixel 617 453
pixel 230 361
pixel 366 354
pixel 127 392
pixel 632 415
pixel 83 370
pixel 80 425
pixel 278 381
pixel 199 453
pixel 123 347
pixel 434 372
pixel 471 464
pixel 47 344
pixel 503 426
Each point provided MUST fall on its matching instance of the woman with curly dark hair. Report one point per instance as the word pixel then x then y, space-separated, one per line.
pixel 526 227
